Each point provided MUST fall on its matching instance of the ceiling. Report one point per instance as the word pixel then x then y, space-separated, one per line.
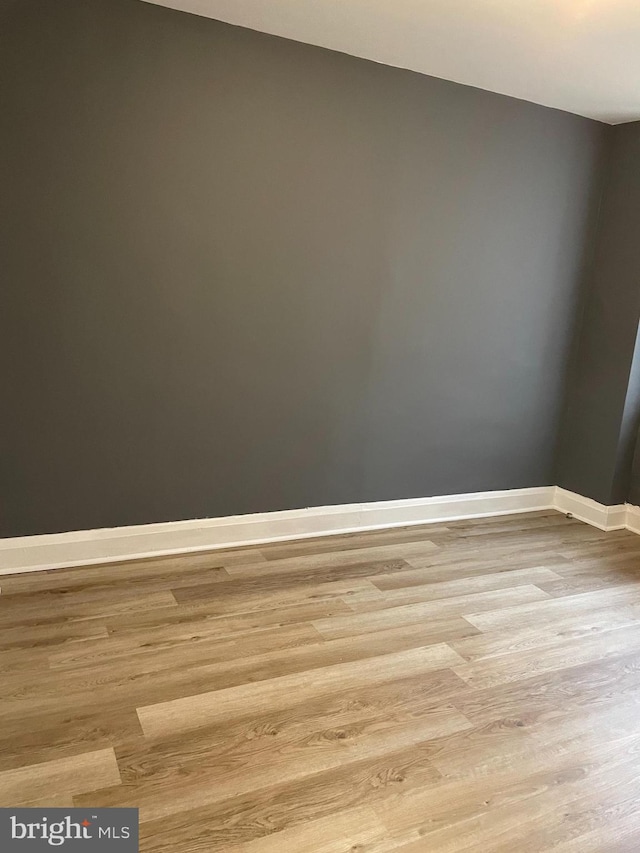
pixel 582 56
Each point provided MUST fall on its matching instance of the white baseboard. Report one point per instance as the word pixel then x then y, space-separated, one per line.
pixel 633 518
pixel 87 547
pixel 115 544
pixel 592 512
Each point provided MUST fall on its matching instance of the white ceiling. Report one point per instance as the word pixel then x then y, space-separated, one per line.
pixel 582 56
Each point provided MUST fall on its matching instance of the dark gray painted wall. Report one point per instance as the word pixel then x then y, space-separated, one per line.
pixel 246 274
pixel 603 402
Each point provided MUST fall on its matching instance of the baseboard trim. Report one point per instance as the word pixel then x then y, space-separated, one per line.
pixel 592 512
pixel 90 547
pixel 118 544
pixel 633 518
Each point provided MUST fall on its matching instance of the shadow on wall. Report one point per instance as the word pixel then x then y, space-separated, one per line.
pixel 630 432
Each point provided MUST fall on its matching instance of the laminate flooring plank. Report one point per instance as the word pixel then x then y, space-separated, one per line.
pixel 77 774
pixel 567 626
pixel 394 615
pixel 352 830
pixel 353 541
pixel 304 658
pixel 432 590
pixel 226 599
pixel 225 626
pixel 546 612
pixel 201 783
pixel 560 655
pixel 472 565
pixel 396 556
pixel 286 804
pixel 66 582
pixel 181 643
pixel 280 692
pixel 34 614
pixel 36 738
pixel 553 695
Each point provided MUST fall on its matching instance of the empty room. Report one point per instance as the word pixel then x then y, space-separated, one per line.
pixel 320 434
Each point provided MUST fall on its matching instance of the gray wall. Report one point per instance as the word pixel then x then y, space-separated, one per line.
pixel 603 402
pixel 246 274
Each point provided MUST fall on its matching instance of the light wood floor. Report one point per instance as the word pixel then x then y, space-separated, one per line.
pixel 473 686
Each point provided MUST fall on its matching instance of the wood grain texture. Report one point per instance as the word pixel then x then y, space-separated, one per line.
pixel 468 686
pixel 74 775
pixel 281 691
